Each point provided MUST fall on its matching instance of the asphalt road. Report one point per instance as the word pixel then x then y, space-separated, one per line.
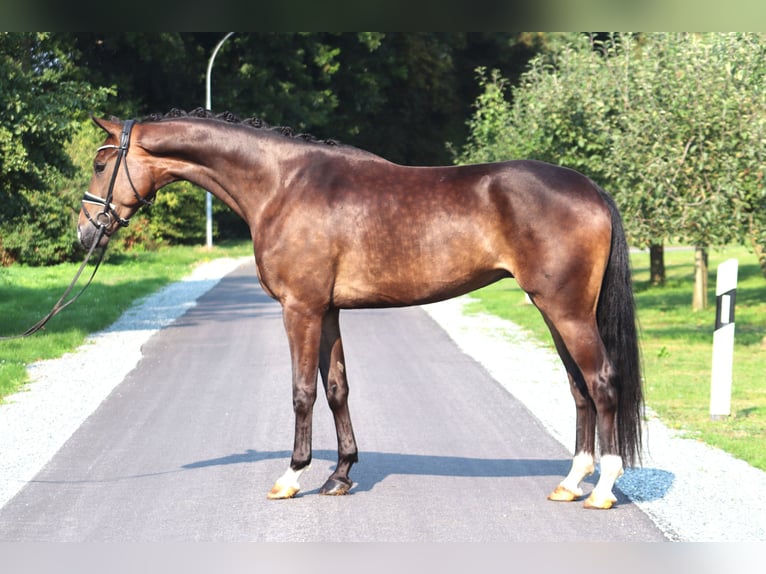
pixel 187 447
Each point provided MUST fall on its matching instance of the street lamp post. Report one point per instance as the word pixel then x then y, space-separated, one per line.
pixel 208 106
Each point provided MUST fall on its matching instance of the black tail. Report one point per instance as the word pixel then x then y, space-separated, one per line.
pixel 616 317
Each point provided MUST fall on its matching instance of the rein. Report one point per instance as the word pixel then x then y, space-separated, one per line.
pixel 62 304
pixel 102 221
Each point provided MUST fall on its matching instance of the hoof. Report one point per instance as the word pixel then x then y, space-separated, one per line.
pixel 335 487
pixel 563 494
pixel 597 503
pixel 279 492
pixel 286 485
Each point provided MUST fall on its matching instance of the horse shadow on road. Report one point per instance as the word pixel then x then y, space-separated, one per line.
pixel 644 484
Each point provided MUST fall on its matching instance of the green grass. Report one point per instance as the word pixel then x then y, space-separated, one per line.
pixel 28 293
pixel 676 346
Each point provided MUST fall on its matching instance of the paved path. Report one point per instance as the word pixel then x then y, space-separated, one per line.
pixel 186 447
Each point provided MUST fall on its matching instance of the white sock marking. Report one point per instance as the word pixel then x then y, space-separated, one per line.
pixel 582 465
pixel 611 470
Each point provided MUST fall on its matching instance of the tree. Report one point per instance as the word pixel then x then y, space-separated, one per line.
pixel 41 101
pixel 401 95
pixel 697 111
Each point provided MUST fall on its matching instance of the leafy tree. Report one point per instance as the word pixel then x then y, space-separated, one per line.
pixel 401 95
pixel 41 101
pixel 696 109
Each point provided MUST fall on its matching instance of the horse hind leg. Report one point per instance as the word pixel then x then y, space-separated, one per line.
pixel 584 349
pixel 583 461
pixel 604 391
pixel 332 367
pixel 585 432
pixel 599 375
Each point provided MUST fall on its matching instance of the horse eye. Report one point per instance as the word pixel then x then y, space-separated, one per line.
pixel 99 167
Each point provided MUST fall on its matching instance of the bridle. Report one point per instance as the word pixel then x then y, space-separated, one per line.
pixel 103 220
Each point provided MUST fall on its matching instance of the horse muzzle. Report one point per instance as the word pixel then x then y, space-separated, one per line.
pixel 100 225
pixel 89 234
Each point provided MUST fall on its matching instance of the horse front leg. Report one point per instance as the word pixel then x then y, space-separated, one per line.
pixel 332 366
pixel 304 330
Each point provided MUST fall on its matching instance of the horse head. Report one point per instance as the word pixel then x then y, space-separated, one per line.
pixel 122 182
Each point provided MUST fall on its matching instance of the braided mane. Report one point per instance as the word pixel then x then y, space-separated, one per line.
pixel 232 118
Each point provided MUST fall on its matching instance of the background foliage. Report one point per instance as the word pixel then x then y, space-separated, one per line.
pixel 42 96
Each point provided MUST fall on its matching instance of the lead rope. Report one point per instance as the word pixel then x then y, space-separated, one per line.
pixel 62 304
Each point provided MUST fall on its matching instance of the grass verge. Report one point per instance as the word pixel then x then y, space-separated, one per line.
pixel 676 346
pixel 28 293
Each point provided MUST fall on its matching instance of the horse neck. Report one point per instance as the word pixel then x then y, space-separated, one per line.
pixel 231 162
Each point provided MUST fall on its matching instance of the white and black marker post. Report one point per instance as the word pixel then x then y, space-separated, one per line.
pixel 723 340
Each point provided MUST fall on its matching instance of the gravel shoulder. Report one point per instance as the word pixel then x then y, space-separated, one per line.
pixel 693 492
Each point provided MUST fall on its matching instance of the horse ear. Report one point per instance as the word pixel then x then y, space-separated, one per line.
pixel 110 126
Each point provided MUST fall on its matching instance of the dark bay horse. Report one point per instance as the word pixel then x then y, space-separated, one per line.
pixel 335 227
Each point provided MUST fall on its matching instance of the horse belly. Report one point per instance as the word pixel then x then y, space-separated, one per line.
pixel 389 280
